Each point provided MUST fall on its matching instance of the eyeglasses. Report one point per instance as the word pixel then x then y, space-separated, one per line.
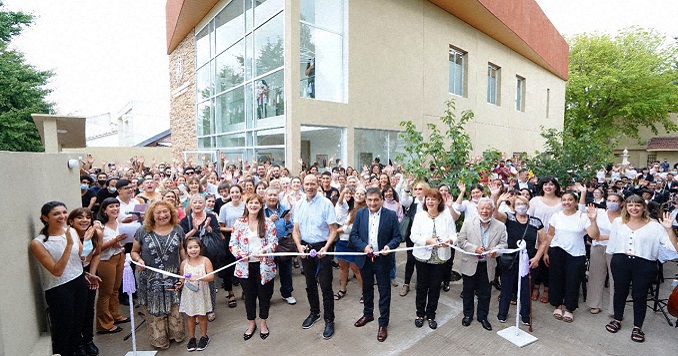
pixel 190 173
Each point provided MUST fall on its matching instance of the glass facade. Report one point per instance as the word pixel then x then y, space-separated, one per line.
pixel 239 80
pixel 323 50
pixel 369 144
pixel 320 144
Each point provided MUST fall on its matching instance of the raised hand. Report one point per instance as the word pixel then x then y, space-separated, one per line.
pixel 666 221
pixel 591 211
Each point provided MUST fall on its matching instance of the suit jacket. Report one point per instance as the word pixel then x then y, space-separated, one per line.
pixel 470 238
pixel 530 186
pixel 388 234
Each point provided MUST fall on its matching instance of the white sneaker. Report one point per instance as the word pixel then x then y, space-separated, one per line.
pixel 290 300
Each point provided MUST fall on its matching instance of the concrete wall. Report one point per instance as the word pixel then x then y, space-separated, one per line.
pixel 121 155
pixel 638 153
pixel 182 100
pixel 29 181
pixel 398 70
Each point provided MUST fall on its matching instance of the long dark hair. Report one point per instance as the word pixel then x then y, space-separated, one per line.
pixel 44 211
pixel 82 212
pixel 261 219
pixel 102 210
pixel 554 180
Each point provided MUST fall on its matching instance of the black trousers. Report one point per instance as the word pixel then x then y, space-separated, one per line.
pixel 479 283
pixel 509 284
pixel 380 268
pixel 542 274
pixel 428 289
pixel 319 271
pixel 447 268
pixel 227 274
pixel 255 290
pixel 411 261
pixel 627 270
pixel 565 278
pixel 66 312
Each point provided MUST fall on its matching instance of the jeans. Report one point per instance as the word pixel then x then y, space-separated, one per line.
pixel 285 272
pixel 509 284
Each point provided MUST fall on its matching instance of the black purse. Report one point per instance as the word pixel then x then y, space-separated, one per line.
pixel 506 260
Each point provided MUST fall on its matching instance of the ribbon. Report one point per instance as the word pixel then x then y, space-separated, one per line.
pixel 313 254
pixel 128 284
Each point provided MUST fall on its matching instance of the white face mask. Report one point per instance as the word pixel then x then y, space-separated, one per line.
pixel 612 206
pixel 485 221
pixel 521 209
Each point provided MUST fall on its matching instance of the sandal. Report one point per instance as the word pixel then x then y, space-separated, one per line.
pixel 232 302
pixel 595 310
pixel 637 335
pixel 340 294
pixel 558 313
pixel 613 326
pixel 545 297
pixel 535 294
pixel 568 317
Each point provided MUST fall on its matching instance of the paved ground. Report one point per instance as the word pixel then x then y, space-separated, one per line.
pixel 585 336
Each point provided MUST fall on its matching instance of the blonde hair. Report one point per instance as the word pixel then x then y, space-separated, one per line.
pixel 625 216
pixel 149 220
pixel 522 200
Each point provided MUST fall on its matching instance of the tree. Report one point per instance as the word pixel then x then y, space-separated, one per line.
pixel 445 157
pixel 22 89
pixel 618 84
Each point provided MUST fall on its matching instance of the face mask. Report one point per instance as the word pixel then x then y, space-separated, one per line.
pixel 485 220
pixel 475 200
pixel 87 248
pixel 521 209
pixel 141 190
pixel 612 206
pixel 112 189
pixel 208 209
pixel 645 172
pixel 84 186
pixel 101 182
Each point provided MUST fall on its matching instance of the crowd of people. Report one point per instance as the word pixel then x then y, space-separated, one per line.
pixel 190 220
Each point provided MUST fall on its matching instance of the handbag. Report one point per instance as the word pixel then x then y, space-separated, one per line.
pixel 406 222
pixel 215 247
pixel 286 244
pixel 506 260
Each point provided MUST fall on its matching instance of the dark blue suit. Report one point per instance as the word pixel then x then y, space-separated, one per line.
pixel 388 235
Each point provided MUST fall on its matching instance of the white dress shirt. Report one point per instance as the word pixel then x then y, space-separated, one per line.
pixel 374 229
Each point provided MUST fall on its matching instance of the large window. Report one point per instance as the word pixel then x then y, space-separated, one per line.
pixel 320 144
pixel 239 79
pixel 370 144
pixel 457 68
pixel 322 50
pixel 493 80
pixel 520 93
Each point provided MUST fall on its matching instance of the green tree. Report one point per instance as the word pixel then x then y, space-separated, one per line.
pixel 22 89
pixel 444 157
pixel 619 84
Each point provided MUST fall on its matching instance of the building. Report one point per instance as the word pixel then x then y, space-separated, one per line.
pixel 651 146
pixel 284 79
pixel 133 125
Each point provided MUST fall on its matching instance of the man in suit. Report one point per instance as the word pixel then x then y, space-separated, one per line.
pixel 375 230
pixel 524 182
pixel 479 234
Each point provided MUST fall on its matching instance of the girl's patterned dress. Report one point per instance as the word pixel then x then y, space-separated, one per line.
pixel 195 302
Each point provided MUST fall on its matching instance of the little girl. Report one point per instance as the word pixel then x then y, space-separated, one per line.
pixel 195 298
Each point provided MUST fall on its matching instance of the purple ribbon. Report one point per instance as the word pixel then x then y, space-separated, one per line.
pixel 128 284
pixel 313 253
pixel 524 266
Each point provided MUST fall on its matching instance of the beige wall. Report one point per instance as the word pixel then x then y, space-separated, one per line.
pixel 121 155
pixel 398 70
pixel 29 181
pixel 637 148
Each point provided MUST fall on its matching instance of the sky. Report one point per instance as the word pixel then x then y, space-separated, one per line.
pixel 108 53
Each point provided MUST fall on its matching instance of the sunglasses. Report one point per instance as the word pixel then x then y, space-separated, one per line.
pixel 190 173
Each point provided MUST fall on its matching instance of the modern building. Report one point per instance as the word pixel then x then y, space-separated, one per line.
pixel 285 79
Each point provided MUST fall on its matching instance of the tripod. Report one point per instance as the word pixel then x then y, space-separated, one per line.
pixel 658 304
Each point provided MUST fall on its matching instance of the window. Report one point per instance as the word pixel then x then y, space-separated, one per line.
pixel 322 50
pixel 370 144
pixel 457 68
pixel 520 93
pixel 548 101
pixel 493 84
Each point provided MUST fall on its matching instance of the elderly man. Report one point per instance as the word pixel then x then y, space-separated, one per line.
pixel 280 216
pixel 479 234
pixel 375 229
pixel 315 227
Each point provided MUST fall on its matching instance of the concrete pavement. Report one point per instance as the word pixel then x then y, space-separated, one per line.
pixel 585 336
